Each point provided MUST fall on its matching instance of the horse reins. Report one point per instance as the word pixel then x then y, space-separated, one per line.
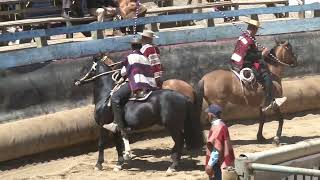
pixel 249 35
pixel 93 68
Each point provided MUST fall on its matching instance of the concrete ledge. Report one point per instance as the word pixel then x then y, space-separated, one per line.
pixel 34 135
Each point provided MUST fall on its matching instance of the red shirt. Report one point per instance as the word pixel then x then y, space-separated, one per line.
pixel 153 54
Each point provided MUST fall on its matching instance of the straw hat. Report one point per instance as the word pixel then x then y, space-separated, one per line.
pixel 135 41
pixel 149 34
pixel 253 22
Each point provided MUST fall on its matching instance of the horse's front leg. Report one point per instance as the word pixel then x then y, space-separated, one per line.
pixel 176 152
pixel 276 139
pixel 127 150
pixel 101 146
pixel 120 148
pixel 262 119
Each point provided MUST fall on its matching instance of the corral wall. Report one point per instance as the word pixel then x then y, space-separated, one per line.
pixel 48 87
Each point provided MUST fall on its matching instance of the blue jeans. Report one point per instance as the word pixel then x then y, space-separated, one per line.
pixel 217 173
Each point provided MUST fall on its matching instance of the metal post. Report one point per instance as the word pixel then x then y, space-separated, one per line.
pixel 284 169
pixel 242 169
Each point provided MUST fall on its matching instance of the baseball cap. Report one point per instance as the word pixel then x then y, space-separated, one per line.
pixel 214 109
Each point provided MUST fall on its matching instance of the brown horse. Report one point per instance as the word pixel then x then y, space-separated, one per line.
pixel 222 86
pixel 180 86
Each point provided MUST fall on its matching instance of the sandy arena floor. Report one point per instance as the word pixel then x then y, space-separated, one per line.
pixel 151 156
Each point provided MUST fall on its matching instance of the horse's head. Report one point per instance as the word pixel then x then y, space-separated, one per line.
pixel 284 54
pixel 100 64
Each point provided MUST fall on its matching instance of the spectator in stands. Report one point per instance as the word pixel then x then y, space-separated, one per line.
pixel 219 149
pixel 76 8
pixel 103 9
pixel 66 11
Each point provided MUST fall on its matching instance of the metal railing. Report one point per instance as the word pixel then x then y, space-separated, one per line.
pixel 298 161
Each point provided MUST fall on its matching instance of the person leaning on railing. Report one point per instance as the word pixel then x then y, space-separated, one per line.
pixel 103 9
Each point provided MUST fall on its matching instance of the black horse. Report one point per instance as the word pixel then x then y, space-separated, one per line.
pixel 169 108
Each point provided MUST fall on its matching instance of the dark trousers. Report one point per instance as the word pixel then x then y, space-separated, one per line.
pixel 66 4
pixel 264 77
pixel 217 173
pixel 118 99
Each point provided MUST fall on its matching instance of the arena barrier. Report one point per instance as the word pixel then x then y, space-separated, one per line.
pixel 48 87
pixel 298 161
pixel 42 85
pixel 61 129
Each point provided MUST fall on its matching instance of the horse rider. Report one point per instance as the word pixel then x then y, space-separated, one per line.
pixel 247 55
pixel 141 80
pixel 152 52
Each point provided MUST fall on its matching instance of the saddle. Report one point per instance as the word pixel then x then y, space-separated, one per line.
pixel 140 96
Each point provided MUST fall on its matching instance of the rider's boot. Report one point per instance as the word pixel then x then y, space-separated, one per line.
pixel 117 124
pixel 270 102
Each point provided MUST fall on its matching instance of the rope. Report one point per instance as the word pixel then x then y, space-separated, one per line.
pixel 99 75
pixel 136 18
pixel 119 83
pixel 243 31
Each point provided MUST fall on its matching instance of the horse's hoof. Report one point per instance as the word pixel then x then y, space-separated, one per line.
pixel 170 171
pixel 127 156
pixel 117 168
pixel 98 167
pixel 276 141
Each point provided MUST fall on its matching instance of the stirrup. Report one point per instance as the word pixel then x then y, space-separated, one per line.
pixel 277 102
pixel 266 108
pixel 280 101
pixel 111 127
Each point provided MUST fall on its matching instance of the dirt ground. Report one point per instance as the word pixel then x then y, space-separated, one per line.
pixel 151 156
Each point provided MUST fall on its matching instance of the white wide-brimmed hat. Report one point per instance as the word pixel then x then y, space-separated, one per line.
pixel 149 34
pixel 135 41
pixel 253 22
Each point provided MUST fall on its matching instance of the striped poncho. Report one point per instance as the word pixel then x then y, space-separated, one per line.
pixel 153 54
pixel 139 72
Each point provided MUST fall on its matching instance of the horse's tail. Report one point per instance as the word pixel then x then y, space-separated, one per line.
pixel 193 129
pixel 199 98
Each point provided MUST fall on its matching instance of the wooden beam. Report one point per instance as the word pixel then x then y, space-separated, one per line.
pixel 257 2
pixel 187 7
pixel 210 5
pixel 316 13
pixel 19 1
pixel 114 44
pixel 302 14
pixel 32 10
pixel 152 19
pixel 41 42
pixel 43 20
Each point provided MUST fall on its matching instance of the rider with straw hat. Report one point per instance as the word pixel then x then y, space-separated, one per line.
pixel 152 52
pixel 247 55
pixel 141 79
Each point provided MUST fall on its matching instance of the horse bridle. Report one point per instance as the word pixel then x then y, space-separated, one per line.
pixel 85 78
pixel 275 59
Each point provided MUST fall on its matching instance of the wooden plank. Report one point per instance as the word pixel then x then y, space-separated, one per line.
pixel 210 5
pixel 257 2
pixel 187 7
pixel 19 1
pixel 302 14
pixel 32 10
pixel 43 20
pixel 154 19
pixel 41 42
pixel 113 44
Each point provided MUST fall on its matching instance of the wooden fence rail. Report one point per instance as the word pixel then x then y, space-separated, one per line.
pixel 114 44
pixel 153 19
